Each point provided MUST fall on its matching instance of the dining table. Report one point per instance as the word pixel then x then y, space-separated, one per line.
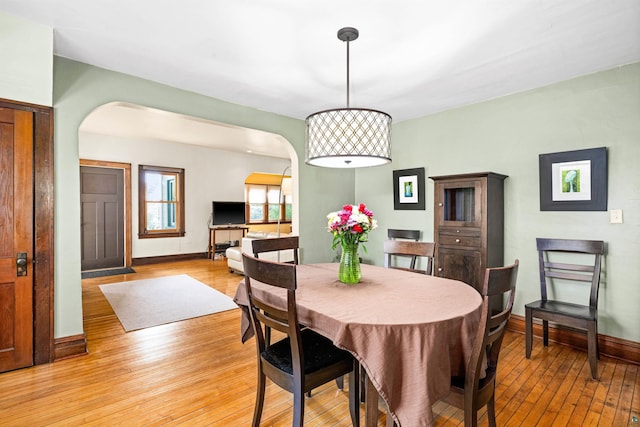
pixel 410 332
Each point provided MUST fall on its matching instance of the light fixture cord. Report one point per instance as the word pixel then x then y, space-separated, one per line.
pixel 348 84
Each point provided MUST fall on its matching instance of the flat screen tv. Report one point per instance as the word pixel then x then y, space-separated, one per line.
pixel 228 213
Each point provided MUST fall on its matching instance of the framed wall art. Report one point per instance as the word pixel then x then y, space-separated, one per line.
pixel 408 189
pixel 574 180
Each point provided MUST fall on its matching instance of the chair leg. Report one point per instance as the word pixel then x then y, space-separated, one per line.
pixel 354 394
pixel 257 411
pixel 592 349
pixel 491 411
pixel 340 383
pixel 298 408
pixel 545 333
pixel 528 322
pixel 363 381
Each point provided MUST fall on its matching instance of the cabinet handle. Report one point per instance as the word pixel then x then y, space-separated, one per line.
pixel 457 231
pixel 440 204
pixel 457 240
pixel 440 269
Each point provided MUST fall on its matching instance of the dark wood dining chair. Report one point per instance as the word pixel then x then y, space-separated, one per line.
pixel 558 272
pixel 477 387
pixel 259 246
pixel 408 248
pixel 412 235
pixel 303 359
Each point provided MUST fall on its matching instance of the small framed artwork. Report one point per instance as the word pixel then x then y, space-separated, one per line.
pixel 574 180
pixel 408 189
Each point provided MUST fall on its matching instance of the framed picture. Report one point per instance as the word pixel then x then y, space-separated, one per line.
pixel 574 180
pixel 408 189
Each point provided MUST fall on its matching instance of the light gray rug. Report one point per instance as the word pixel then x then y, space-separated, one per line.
pixel 141 304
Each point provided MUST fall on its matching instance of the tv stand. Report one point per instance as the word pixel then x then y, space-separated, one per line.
pixel 220 246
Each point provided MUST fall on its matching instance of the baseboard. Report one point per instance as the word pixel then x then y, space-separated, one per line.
pixel 71 346
pixel 618 348
pixel 167 258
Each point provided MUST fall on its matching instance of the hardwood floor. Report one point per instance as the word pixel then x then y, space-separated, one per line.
pixel 197 373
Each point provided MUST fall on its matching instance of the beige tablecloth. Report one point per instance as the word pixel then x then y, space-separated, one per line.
pixel 411 332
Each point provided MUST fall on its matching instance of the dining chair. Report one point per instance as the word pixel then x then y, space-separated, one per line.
pixel 303 359
pixel 408 248
pixel 559 266
pixel 477 387
pixel 413 235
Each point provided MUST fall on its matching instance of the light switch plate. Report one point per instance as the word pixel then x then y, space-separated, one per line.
pixel 615 216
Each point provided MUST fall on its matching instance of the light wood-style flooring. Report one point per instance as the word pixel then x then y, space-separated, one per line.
pixel 197 373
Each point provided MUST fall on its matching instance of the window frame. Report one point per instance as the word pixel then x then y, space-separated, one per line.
pixel 179 230
pixel 265 206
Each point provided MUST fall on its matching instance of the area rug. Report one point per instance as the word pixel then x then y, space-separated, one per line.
pixel 145 303
pixel 109 272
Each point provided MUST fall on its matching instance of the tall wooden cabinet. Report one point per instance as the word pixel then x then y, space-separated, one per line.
pixel 468 225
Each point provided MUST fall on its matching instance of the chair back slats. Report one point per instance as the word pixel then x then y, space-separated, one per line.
pixel 276 244
pixel 263 313
pixel 576 272
pixel 569 245
pixel 271 316
pixel 414 235
pixel 409 248
pixel 394 233
pixel 569 276
pixel 271 273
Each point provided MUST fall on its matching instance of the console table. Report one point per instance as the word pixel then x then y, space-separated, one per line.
pixel 216 248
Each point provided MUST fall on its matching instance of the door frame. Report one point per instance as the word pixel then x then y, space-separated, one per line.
pixel 126 168
pixel 43 229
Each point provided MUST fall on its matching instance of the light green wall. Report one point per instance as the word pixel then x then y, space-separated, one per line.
pixel 27 60
pixel 79 88
pixel 506 135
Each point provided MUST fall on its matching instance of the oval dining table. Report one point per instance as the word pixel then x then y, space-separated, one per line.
pixel 411 332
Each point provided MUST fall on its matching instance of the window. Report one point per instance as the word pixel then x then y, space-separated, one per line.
pixel 264 206
pixel 161 202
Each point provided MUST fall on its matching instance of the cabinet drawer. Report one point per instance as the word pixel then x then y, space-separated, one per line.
pixel 460 231
pixel 460 237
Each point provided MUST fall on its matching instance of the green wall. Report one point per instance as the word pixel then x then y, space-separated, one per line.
pixel 506 135
pixel 80 88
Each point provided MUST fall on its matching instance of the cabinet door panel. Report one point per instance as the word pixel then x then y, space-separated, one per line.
pixel 463 265
pixel 459 203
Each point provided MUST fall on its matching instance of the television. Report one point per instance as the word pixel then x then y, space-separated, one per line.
pixel 227 213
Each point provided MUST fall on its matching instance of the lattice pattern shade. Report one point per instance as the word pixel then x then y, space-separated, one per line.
pixel 348 138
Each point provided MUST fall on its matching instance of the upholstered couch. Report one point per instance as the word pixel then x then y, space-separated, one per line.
pixel 234 254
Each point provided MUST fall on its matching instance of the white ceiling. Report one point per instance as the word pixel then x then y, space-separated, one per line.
pixel 413 57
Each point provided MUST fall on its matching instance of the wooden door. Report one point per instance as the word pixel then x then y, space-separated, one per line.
pixel 16 238
pixel 460 264
pixel 102 210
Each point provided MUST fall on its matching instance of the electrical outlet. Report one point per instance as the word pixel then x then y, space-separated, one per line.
pixel 615 216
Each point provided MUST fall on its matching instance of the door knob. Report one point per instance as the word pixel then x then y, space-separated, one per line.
pixel 21 264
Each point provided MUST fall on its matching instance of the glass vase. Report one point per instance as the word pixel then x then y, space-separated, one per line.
pixel 349 271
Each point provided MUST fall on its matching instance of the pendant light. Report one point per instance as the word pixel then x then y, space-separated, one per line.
pixel 348 137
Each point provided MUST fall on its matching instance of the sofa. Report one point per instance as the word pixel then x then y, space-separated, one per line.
pixel 234 253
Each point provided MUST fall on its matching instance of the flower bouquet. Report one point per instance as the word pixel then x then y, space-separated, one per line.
pixel 350 226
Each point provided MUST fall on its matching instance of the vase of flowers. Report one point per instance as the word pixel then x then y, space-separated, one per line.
pixel 350 227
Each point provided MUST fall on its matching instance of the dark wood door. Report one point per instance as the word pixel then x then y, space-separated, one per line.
pixel 16 239
pixel 102 210
pixel 460 264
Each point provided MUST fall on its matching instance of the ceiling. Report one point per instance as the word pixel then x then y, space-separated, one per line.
pixel 412 58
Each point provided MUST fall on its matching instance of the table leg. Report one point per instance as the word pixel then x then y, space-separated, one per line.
pixel 370 404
